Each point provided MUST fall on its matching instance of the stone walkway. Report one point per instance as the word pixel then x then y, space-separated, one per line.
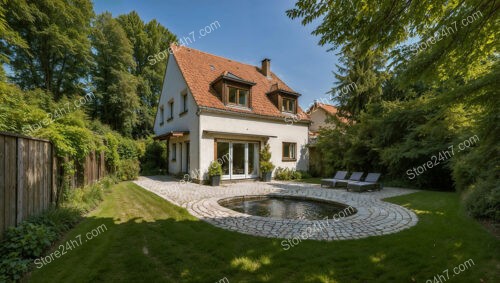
pixel 374 216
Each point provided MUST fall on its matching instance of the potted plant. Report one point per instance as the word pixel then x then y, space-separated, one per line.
pixel 214 172
pixel 266 166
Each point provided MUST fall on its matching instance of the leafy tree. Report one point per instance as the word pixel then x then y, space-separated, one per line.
pixel 115 86
pixel 443 89
pixel 146 39
pixel 9 36
pixel 57 55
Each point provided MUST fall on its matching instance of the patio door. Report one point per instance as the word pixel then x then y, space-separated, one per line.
pixel 238 162
pixel 239 159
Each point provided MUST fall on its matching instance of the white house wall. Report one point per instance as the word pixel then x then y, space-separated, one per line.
pixel 318 118
pixel 173 85
pixel 297 133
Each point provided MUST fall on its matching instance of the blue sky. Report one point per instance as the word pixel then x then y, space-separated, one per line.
pixel 249 31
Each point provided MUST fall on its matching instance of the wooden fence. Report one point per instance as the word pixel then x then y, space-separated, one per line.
pixel 30 177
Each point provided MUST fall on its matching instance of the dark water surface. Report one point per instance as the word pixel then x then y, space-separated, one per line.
pixel 285 208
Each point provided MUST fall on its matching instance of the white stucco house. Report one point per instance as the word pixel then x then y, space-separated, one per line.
pixel 319 113
pixel 213 108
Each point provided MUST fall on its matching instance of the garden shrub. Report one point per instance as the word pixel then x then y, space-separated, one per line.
pixel 265 163
pixel 32 237
pixel 296 175
pixel 286 174
pixel 483 199
pixel 12 267
pixel 21 245
pixel 128 170
pixel 108 181
pixel 304 174
pixel 28 239
pixel 215 169
pixel 128 148
pixel 153 159
pixel 83 199
pixel 60 219
pixel 87 198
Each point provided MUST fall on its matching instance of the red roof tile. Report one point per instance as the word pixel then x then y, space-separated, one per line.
pixel 328 108
pixel 200 69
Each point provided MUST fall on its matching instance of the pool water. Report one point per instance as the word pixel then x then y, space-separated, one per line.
pixel 285 207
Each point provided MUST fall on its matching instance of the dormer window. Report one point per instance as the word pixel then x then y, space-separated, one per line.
pixel 288 105
pixel 285 100
pixel 238 96
pixel 233 90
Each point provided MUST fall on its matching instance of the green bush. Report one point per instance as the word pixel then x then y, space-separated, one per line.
pixel 305 174
pixel 296 175
pixel 483 200
pixel 60 219
pixel 153 160
pixel 12 267
pixel 128 149
pixel 22 244
pixel 215 169
pixel 128 170
pixel 265 163
pixel 28 239
pixel 286 174
pixel 108 181
pixel 83 199
pixel 87 198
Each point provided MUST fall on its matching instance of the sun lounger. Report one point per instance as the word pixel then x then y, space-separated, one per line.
pixel 370 183
pixel 355 177
pixel 339 176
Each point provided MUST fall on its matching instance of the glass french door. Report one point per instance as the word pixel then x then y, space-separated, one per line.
pixel 239 159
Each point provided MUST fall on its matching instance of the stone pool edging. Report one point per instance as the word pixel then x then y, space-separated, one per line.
pixel 374 217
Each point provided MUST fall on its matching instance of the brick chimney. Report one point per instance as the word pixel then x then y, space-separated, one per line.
pixel 266 67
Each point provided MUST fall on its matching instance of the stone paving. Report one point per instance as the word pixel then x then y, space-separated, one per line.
pixel 374 217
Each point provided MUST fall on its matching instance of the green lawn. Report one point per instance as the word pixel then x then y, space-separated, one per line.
pixel 150 240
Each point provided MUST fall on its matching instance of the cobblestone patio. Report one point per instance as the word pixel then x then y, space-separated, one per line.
pixel 374 216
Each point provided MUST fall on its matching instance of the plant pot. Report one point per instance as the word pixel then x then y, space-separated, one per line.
pixel 266 176
pixel 215 180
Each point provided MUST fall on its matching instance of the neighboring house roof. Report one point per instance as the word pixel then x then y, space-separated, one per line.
pixel 201 69
pixel 330 109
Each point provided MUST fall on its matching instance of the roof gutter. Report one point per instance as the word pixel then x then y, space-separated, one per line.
pixel 205 109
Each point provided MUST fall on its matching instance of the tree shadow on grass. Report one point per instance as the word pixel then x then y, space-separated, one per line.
pixel 176 247
pixel 194 251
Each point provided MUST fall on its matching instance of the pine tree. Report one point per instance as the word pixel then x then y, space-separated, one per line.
pixel 360 81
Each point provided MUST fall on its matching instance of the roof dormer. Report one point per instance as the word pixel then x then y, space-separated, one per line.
pixel 233 90
pixel 286 101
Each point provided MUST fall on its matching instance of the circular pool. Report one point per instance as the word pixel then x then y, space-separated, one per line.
pixel 287 207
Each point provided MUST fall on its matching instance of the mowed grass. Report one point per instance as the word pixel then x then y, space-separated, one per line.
pixel 151 240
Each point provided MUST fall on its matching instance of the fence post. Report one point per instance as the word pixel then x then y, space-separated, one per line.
pixel 53 185
pixel 2 185
pixel 20 179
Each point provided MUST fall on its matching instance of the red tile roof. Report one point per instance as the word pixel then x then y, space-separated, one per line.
pixel 200 69
pixel 330 109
